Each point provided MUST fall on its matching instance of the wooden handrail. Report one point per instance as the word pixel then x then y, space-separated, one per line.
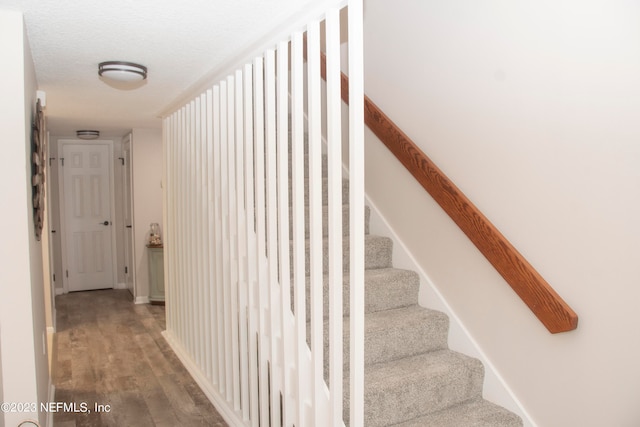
pixel 539 296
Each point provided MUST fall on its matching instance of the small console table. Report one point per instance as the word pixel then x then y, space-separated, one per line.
pixel 156 274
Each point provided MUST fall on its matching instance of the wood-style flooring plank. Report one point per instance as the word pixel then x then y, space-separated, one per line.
pixel 110 352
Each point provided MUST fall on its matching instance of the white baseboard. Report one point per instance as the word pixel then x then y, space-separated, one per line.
pixel 142 300
pixel 120 286
pixel 219 402
pixel 59 291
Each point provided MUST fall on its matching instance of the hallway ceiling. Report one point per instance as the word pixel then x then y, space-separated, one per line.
pixel 180 42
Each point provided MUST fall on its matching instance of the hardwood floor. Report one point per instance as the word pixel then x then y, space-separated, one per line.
pixel 110 353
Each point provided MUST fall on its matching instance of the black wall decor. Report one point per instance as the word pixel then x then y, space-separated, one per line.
pixel 38 164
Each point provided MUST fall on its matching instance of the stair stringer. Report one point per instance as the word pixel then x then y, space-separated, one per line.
pixel 495 388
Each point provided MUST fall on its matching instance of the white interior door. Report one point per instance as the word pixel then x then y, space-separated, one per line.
pixel 88 229
pixel 128 214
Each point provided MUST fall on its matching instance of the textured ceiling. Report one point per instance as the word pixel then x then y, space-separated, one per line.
pixel 180 42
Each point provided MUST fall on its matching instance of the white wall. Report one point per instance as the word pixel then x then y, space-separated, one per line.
pixel 146 154
pixel 25 375
pixel 532 109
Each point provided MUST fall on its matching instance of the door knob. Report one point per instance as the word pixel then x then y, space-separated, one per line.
pixel 104 223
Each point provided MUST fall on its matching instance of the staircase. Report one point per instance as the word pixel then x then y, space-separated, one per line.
pixel 412 378
pixel 232 320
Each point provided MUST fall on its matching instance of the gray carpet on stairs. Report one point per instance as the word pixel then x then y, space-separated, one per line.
pixel 412 378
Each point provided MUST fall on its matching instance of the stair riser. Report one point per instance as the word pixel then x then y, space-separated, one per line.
pixel 325 192
pixel 478 413
pixel 385 289
pixel 324 162
pixel 407 390
pixel 377 253
pixel 395 334
pixel 325 230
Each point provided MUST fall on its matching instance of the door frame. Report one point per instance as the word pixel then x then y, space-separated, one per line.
pixel 63 218
pixel 127 196
pixel 49 230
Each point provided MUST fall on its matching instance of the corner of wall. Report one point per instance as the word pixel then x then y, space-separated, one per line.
pixel 147 160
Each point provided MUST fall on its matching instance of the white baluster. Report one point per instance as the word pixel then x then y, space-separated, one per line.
pixel 252 258
pixel 282 110
pixel 261 237
pixel 272 234
pixel 299 273
pixel 226 240
pixel 191 332
pixel 314 114
pixel 334 153
pixel 196 200
pixel 356 203
pixel 242 245
pixel 211 238
pixel 219 235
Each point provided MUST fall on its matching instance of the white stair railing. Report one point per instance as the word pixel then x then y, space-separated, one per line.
pixel 239 174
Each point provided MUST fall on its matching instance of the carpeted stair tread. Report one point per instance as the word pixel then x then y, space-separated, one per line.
pixel 385 289
pixel 395 334
pixel 408 388
pixel 377 253
pixel 403 332
pixel 473 413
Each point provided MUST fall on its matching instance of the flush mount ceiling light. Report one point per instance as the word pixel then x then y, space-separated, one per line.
pixel 88 134
pixel 122 71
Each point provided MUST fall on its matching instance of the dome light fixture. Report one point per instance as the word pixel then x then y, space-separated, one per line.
pixel 88 134
pixel 122 71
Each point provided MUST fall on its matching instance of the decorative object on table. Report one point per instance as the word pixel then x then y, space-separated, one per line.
pixel 155 239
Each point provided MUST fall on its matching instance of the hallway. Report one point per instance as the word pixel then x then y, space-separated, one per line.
pixel 112 358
